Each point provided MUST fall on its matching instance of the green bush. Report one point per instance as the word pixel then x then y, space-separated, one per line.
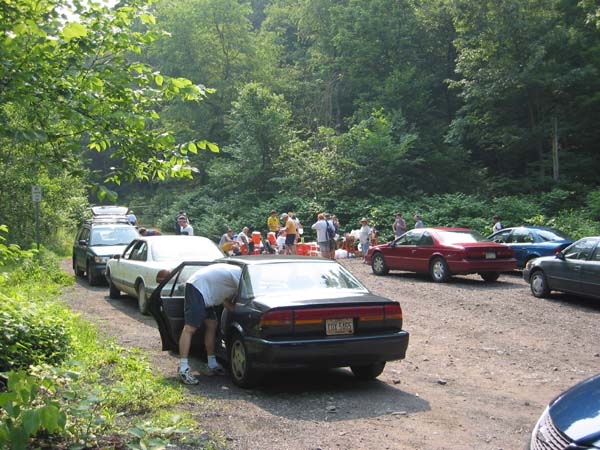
pixel 31 334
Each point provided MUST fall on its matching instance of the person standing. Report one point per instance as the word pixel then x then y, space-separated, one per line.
pixel 273 222
pixel 320 226
pixel 131 218
pixel 206 289
pixel 399 225
pixel 418 222
pixel 497 224
pixel 290 234
pixel 177 225
pixel 184 226
pixel 364 236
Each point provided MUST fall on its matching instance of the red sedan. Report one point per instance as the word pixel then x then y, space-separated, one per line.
pixel 442 252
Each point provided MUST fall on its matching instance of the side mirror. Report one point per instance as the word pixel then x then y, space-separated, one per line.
pixel 82 242
pixel 117 257
pixel 561 256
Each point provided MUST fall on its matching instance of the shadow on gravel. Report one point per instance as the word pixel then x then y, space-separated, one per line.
pixel 331 395
pixel 508 280
pixel 574 302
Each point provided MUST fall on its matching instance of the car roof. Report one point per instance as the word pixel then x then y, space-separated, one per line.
pixel 254 260
pixel 110 210
pixel 446 229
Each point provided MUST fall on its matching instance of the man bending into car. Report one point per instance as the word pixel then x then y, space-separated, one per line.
pixel 209 287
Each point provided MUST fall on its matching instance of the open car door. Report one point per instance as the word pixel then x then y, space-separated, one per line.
pixel 166 306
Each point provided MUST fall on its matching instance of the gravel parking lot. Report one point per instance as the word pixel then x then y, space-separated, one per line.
pixel 483 361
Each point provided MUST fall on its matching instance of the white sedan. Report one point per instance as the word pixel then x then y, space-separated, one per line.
pixel 135 271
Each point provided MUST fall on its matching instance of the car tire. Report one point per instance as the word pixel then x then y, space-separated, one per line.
pixel 113 291
pixel 78 272
pixel 378 265
pixel 91 278
pixel 489 277
pixel 539 284
pixel 240 364
pixel 142 298
pixel 438 270
pixel 368 371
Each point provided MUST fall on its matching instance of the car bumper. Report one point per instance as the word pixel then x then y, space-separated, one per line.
pixel 526 273
pixel 98 269
pixel 327 352
pixel 493 265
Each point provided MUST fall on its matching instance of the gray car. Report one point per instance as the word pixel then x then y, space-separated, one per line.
pixel 575 270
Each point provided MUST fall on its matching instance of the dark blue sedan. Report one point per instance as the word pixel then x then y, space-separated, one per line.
pixel 531 242
pixel 572 420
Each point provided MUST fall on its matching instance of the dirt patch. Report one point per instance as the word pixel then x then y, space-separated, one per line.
pixel 483 361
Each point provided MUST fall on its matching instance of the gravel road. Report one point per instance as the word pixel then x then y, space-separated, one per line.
pixel 483 361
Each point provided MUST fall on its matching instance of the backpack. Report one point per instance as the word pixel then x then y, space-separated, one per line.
pixel 330 232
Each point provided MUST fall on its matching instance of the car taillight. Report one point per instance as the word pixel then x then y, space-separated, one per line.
pixel 393 311
pixel 277 318
pixel 557 250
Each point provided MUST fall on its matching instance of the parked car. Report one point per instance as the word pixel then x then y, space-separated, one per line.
pixel 571 421
pixel 291 312
pixel 575 270
pixel 442 252
pixel 134 271
pixel 532 242
pixel 96 241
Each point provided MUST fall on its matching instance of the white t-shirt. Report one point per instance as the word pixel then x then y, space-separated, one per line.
pixel 321 227
pixel 497 227
pixel 216 282
pixel 188 229
pixel 363 234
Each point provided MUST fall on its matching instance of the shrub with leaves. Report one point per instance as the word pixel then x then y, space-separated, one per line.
pixel 30 334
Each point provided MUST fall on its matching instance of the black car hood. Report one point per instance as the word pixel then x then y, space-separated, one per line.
pixel 576 412
pixel 316 297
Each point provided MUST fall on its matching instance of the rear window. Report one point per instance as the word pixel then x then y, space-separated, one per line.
pixel 460 237
pixel 553 235
pixel 268 279
pixel 182 249
pixel 107 235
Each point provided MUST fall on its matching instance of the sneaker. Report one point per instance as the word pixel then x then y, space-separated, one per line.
pixel 217 370
pixel 186 377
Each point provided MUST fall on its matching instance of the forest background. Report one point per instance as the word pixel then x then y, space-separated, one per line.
pixel 227 109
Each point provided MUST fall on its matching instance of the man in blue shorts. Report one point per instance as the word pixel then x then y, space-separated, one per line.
pixel 206 289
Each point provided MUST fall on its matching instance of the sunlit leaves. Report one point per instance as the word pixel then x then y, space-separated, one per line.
pixel 73 30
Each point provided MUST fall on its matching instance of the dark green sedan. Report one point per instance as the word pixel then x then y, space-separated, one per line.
pixel 575 270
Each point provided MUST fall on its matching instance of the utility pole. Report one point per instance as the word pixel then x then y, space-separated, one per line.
pixel 555 172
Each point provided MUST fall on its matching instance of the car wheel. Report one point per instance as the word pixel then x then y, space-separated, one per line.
pixel 539 284
pixel 92 279
pixel 142 298
pixel 439 271
pixel 113 291
pixel 378 265
pixel 240 364
pixel 78 272
pixel 368 371
pixel 489 277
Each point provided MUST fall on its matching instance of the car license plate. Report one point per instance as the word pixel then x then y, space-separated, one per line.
pixel 490 255
pixel 339 326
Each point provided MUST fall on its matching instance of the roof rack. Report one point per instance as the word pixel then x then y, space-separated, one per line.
pixel 109 219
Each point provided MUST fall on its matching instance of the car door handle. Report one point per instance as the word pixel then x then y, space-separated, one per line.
pixel 576 268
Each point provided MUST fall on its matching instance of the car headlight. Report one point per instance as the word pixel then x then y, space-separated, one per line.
pixel 101 259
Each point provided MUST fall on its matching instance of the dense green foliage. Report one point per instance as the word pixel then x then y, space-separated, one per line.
pixel 364 108
pixel 70 387
pixel 346 105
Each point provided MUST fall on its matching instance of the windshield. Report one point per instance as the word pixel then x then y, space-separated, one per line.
pixel 460 237
pixel 553 235
pixel 182 249
pixel 111 235
pixel 267 279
